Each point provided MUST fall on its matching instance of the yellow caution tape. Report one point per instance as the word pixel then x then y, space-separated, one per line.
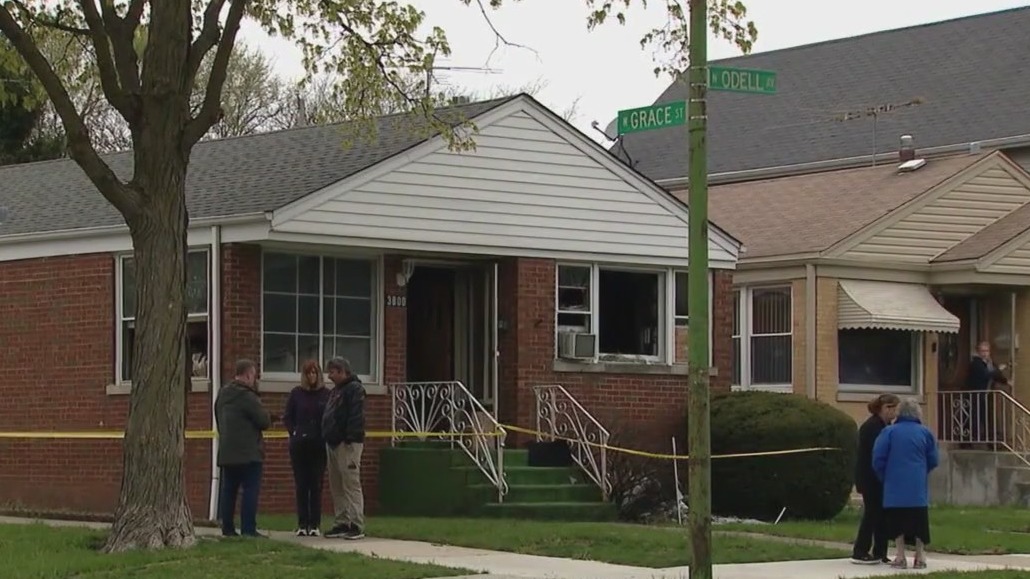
pixel 280 434
pixel 662 455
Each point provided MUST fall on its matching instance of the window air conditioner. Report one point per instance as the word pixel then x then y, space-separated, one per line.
pixel 577 345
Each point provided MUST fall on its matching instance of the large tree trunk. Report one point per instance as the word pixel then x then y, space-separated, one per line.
pixel 152 508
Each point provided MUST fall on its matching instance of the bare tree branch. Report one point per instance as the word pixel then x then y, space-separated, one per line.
pixel 105 61
pixel 54 23
pixel 134 14
pixel 211 110
pixel 207 38
pixel 125 57
pixel 499 39
pixel 80 147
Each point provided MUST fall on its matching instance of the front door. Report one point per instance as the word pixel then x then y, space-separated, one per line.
pixel 431 327
pixel 955 349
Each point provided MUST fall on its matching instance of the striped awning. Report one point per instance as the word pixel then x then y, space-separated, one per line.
pixel 891 306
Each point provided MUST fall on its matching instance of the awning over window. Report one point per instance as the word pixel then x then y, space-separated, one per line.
pixel 891 306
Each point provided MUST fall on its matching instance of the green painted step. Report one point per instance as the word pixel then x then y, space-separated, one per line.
pixel 579 512
pixel 555 493
pixel 543 475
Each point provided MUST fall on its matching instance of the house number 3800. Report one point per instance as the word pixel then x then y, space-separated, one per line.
pixel 396 301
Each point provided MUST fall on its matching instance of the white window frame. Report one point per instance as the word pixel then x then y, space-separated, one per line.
pixel 665 336
pixel 737 338
pixel 376 348
pixel 917 372
pixel 673 318
pixel 746 335
pixel 120 318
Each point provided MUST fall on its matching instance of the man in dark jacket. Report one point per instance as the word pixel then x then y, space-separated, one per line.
pixel 343 427
pixel 240 418
pixel 983 377
pixel 872 531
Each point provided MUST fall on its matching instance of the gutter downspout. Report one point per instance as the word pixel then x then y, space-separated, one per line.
pixel 215 367
pixel 811 299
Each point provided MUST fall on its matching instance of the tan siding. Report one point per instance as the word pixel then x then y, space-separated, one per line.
pixel 1016 261
pixel 927 231
pixel 524 186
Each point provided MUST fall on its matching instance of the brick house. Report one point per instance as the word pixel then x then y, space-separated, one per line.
pixel 914 265
pixel 417 263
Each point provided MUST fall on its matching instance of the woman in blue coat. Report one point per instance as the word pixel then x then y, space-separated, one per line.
pixel 903 456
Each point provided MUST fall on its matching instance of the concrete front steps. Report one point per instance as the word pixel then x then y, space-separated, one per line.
pixel 432 479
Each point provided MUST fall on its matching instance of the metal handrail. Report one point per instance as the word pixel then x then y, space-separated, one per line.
pixel 560 415
pixel 449 411
pixel 991 417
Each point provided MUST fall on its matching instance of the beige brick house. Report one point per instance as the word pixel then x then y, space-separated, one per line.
pixel 880 279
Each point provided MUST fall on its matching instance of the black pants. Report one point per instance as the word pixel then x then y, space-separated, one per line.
pixel 872 531
pixel 308 458
pixel 247 476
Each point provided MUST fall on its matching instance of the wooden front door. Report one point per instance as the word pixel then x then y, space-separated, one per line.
pixel 954 352
pixel 431 325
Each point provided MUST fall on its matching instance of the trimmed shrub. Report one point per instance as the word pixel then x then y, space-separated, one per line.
pixel 814 486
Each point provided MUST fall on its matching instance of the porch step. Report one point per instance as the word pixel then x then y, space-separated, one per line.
pixel 543 475
pixel 564 511
pixel 556 493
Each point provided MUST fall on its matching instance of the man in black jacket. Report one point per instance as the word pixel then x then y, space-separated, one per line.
pixel 872 531
pixel 343 427
pixel 241 419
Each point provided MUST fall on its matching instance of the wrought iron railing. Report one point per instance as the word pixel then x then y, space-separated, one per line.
pixel 985 417
pixel 559 416
pixel 448 411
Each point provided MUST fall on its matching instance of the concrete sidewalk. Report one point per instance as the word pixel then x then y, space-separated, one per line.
pixel 500 565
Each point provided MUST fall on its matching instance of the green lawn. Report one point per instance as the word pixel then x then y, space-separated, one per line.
pixel 1015 574
pixel 31 551
pixel 956 530
pixel 635 545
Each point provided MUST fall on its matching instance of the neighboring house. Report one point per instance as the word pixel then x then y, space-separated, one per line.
pixel 537 259
pixel 843 102
pixel 877 279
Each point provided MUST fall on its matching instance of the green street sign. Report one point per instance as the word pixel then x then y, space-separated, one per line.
pixel 653 117
pixel 741 80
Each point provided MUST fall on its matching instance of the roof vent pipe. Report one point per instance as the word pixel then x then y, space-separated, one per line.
pixel 907 152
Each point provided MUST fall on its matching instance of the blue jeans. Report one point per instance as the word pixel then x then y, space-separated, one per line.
pixel 235 476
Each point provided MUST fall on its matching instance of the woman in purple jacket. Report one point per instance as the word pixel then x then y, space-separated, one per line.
pixel 303 421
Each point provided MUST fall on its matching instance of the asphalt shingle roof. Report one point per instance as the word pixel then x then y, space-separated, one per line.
pixel 810 213
pixel 235 176
pixel 972 73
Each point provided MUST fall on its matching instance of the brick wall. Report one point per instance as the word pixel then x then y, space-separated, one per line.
pixel 653 406
pixel 57 326
pixel 57 330
pixel 242 339
pixel 827 374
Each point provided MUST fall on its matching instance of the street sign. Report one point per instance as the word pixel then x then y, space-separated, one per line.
pixel 741 80
pixel 653 117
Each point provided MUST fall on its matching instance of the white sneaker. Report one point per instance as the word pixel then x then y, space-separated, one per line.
pixel 301 532
pixel 314 533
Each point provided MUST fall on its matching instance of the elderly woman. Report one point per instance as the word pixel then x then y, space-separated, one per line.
pixel 903 456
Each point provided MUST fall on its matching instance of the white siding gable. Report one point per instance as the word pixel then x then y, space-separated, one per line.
pixel 527 189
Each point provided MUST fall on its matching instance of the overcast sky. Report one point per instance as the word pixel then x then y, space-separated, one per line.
pixel 606 69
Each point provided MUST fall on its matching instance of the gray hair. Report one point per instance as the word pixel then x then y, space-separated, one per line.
pixel 342 364
pixel 910 408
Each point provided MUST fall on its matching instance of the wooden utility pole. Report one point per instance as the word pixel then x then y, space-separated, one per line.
pixel 699 437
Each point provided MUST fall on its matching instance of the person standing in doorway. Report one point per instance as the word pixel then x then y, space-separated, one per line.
pixel 872 531
pixel 241 419
pixel 984 376
pixel 343 427
pixel 303 422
